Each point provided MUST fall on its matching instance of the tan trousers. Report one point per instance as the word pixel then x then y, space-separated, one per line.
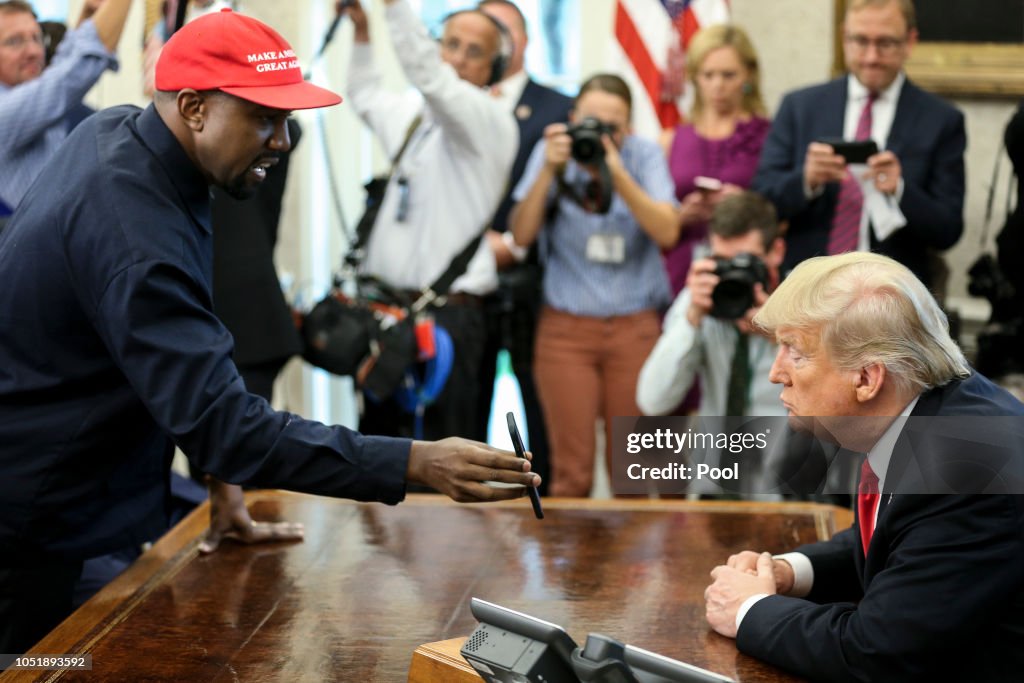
pixel 585 367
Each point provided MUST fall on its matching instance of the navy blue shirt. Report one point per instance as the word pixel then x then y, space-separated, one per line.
pixel 109 349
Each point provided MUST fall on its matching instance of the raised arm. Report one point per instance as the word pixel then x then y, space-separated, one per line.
pixel 470 116
pixel 109 17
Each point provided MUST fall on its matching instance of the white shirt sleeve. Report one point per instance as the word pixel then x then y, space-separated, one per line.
pixel 388 114
pixel 803 573
pixel 670 369
pixel 468 114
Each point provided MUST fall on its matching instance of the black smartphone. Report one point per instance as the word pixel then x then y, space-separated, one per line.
pixel 517 443
pixel 854 151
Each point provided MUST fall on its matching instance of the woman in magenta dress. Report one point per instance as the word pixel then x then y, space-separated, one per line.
pixel 722 140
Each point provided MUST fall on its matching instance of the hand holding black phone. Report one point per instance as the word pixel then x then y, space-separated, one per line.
pixel 854 151
pixel 517 443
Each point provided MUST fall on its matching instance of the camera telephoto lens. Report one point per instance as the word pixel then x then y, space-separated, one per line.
pixel 733 296
pixel 587 147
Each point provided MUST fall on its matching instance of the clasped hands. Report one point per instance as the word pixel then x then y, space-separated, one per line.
pixel 743 575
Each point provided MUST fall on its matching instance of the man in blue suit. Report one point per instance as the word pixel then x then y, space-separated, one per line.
pixel 928 583
pixel 921 167
pixel 512 310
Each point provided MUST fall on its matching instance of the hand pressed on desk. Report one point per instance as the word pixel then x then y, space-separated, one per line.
pixel 229 518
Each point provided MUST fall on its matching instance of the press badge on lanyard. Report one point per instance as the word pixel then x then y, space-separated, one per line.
pixel 606 247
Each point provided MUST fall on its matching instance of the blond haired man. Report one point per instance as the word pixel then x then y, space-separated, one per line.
pixel 924 585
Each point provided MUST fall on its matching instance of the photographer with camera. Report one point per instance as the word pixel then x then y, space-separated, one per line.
pixel 1000 279
pixel 458 144
pixel 600 202
pixel 707 331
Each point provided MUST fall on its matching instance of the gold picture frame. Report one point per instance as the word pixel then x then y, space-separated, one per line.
pixel 988 70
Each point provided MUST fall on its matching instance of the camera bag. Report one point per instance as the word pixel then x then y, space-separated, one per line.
pixel 366 330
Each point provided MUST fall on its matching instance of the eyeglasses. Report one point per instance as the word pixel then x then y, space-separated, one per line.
pixel 473 53
pixel 886 46
pixel 19 42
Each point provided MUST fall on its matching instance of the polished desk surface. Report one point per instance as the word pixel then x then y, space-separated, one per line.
pixel 370 583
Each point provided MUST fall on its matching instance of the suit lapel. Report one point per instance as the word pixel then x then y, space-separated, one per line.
pixel 833 109
pixel 903 122
pixel 900 465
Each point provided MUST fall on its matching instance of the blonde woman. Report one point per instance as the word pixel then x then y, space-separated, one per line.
pixel 717 150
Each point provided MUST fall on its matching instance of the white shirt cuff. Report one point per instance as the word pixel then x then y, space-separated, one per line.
pixel 518 253
pixel 803 579
pixel 803 573
pixel 745 607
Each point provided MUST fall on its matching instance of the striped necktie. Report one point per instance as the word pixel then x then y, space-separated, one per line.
pixel 845 232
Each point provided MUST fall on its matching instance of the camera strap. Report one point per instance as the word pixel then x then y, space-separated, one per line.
pixel 597 195
pixel 990 200
pixel 433 293
pixel 378 184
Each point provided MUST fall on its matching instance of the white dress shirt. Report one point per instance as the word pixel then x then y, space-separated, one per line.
pixel 455 167
pixel 509 91
pixel 882 113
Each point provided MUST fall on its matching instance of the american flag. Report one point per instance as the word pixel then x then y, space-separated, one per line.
pixel 650 39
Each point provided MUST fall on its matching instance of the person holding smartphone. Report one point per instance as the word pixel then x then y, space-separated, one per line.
pixel 920 168
pixel 715 153
pixel 603 283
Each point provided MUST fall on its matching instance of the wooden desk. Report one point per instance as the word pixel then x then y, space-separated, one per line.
pixel 371 583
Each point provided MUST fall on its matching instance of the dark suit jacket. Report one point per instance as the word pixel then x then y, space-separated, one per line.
pixel 538 107
pixel 927 136
pixel 940 595
pixel 247 294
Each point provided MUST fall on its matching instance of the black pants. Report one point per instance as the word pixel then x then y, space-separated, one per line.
pixel 511 317
pixel 455 411
pixel 35 595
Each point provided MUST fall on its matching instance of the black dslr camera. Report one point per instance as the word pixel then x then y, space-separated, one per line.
pixel 987 280
pixel 734 293
pixel 587 147
pixel 999 342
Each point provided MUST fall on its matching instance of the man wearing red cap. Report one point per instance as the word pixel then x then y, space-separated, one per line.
pixel 445 188
pixel 110 350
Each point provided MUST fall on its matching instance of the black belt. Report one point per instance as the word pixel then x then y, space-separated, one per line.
pixel 453 298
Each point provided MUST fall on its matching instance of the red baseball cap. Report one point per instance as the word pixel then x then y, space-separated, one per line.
pixel 241 56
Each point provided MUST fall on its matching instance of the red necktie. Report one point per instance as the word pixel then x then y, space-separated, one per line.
pixel 867 503
pixel 845 232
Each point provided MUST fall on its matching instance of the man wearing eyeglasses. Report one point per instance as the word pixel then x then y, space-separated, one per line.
pixel 907 200
pixel 35 104
pixel 443 190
